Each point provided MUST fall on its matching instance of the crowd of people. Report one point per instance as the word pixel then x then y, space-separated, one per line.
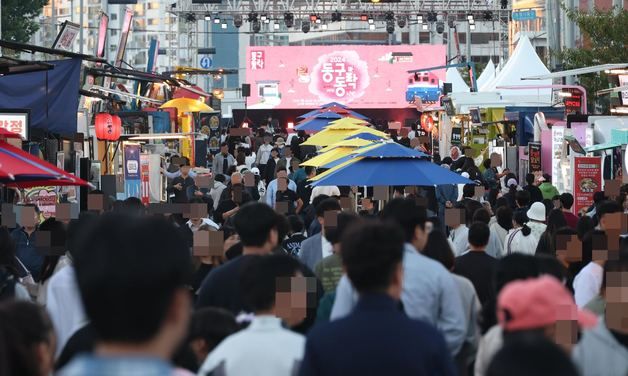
pixel 494 278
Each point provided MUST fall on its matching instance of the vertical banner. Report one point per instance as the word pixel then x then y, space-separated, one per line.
pixel 456 136
pixel 558 139
pixel 124 35
pixel 534 156
pixel 132 170
pixel 145 178
pixel 102 35
pixel 587 179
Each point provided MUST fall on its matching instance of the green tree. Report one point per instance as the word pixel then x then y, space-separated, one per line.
pixel 19 19
pixel 605 41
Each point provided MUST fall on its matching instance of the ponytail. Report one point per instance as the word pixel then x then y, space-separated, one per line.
pixel 525 230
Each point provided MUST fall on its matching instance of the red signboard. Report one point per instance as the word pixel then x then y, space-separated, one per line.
pixel 587 179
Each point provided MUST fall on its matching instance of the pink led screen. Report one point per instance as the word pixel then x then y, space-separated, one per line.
pixel 357 76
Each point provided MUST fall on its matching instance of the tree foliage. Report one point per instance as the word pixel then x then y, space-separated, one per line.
pixel 605 41
pixel 19 19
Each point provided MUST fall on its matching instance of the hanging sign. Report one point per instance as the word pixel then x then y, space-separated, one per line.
pixel 587 179
pixel 132 170
pixel 456 136
pixel 534 156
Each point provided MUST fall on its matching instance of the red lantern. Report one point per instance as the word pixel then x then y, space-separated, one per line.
pixel 427 122
pixel 108 127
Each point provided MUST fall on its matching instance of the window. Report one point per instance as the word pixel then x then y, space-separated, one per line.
pixel 153 21
pixel 114 33
pixel 114 16
pixel 153 5
pixel 424 37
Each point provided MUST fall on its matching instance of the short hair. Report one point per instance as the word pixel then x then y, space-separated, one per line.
pixel 296 223
pixel 487 163
pixel 533 355
pixel 407 214
pixel 523 198
pixel 223 144
pixel 328 204
pixel 260 279
pixel 128 270
pixel 344 221
pixel 23 325
pixel 504 217
pixel 479 234
pixel 566 200
pixel 470 207
pixel 530 178
pixel 254 222
pixel 468 190
pixel 220 177
pixel 439 249
pixel 309 170
pixel 599 196
pixel 482 215
pixel 608 207
pixel 212 325
pixel 371 253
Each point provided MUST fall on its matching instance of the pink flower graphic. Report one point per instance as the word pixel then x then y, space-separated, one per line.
pixel 339 76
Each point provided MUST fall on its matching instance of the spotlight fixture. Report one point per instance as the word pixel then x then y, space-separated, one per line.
pixel 390 26
pixel 372 27
pixel 252 17
pixel 425 26
pixel 390 15
pixel 401 22
pixel 318 20
pixel 431 16
pixel 324 26
pixel 440 27
pixel 504 4
pixel 364 17
pixel 471 26
pixel 256 27
pixel 371 20
pixel 237 21
pixel 223 25
pixel 488 15
pixel 419 18
pixel 263 17
pixel 305 27
pixel 336 16
pixel 276 26
pixel 288 18
pixel 470 16
pixel 190 17
pixel 217 20
pixel 208 17
pixel 267 20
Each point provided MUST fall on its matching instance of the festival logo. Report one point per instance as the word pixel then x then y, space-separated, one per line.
pixel 339 76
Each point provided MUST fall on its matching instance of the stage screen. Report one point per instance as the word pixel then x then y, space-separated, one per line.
pixel 288 77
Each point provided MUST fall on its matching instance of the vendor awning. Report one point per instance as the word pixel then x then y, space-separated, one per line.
pixel 601 147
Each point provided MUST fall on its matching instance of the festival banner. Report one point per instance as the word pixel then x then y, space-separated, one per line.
pixel 356 76
pixel 45 198
pixel 144 170
pixel 132 170
pixel 534 156
pixel 587 179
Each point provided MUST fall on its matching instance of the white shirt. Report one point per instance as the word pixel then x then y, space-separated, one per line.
pixel 249 160
pixel 587 283
pixel 265 348
pixel 329 190
pixel 263 153
pixel 64 306
pixel 327 248
pixel 490 344
pixel 516 242
pixel 459 240
pixel 205 221
pixel 43 289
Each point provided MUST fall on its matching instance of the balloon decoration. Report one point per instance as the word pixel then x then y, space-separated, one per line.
pixel 108 127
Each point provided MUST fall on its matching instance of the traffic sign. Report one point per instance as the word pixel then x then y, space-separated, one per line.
pixel 206 62
pixel 524 15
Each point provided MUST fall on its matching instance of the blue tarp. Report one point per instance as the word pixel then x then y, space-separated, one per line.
pixel 161 121
pixel 52 96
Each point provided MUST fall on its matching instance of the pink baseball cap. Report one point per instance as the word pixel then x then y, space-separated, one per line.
pixel 538 302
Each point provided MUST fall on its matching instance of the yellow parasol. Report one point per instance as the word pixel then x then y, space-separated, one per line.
pixel 353 143
pixel 187 105
pixel 332 135
pixel 347 123
pixel 330 156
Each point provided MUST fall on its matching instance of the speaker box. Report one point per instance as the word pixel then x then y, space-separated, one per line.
pixel 246 90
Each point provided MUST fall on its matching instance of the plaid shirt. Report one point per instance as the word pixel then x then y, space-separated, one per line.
pixel 89 365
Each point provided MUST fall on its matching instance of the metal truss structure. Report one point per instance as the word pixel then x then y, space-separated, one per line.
pixel 343 10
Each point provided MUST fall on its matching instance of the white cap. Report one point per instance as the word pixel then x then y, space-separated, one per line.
pixel 511 181
pixel 255 171
pixel 537 212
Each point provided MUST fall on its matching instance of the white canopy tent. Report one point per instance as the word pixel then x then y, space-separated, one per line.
pixel 524 62
pixel 487 75
pixel 453 77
